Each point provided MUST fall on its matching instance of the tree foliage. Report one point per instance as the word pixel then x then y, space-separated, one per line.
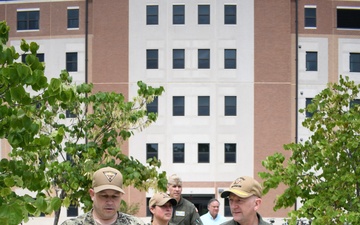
pixel 52 156
pixel 324 171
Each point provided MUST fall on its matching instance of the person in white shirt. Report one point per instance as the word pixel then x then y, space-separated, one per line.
pixel 212 217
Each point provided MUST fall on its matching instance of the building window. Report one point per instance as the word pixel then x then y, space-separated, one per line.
pixel 203 153
pixel 152 107
pixel 354 62
pixel 204 105
pixel 178 58
pixel 308 102
pixel 178 105
pixel 311 61
pixel 152 57
pixel 230 58
pixel 152 14
pixel 348 18
pixel 310 17
pixel 28 20
pixel 230 105
pixel 40 56
pixel 230 14
pixel 72 211
pixel 178 153
pixel 69 114
pixel 227 211
pixel 71 61
pixel 203 14
pixel 72 18
pixel 230 153
pixel 151 151
pixel 178 14
pixel 204 58
pixel 354 102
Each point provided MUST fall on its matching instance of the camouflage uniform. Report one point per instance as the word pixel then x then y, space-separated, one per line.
pixel 233 222
pixel 87 219
pixel 185 213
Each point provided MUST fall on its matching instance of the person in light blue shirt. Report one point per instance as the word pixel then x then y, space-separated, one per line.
pixel 213 217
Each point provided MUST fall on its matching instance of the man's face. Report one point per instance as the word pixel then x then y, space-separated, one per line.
pixel 243 209
pixel 213 208
pixel 175 191
pixel 106 203
pixel 162 213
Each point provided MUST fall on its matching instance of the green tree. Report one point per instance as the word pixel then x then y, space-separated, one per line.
pixel 324 171
pixel 52 156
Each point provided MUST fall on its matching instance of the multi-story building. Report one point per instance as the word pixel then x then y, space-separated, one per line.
pixel 234 72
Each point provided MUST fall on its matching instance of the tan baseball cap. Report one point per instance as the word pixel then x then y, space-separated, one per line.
pixel 107 178
pixel 174 179
pixel 244 187
pixel 161 199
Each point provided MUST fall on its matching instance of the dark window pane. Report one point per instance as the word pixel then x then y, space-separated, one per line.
pixel 230 153
pixel 354 62
pixel 204 14
pixel 152 14
pixel 230 58
pixel 230 105
pixel 28 20
pixel 40 56
pixel 178 153
pixel 178 105
pixel 230 14
pixel 310 17
pixel 178 59
pixel 152 59
pixel 72 211
pixel 71 61
pixel 308 102
pixel 348 18
pixel 70 114
pixel 204 105
pixel 73 18
pixel 204 58
pixel 203 153
pixel 152 107
pixel 151 151
pixel 354 102
pixel 178 14
pixel 311 61
pixel 227 211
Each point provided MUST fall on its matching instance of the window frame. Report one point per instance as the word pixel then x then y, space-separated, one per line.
pixel 354 62
pixel 230 105
pixel 230 15
pixel 203 156
pixel 203 14
pixel 152 59
pixel 72 61
pixel 203 58
pixel 178 105
pixel 28 23
pixel 178 14
pixel 311 58
pixel 152 17
pixel 203 105
pixel 155 153
pixel 73 20
pixel 348 17
pixel 178 58
pixel 178 157
pixel 230 58
pixel 310 17
pixel 230 153
pixel 153 107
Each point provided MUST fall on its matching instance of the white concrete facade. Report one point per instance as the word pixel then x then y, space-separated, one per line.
pixel 192 82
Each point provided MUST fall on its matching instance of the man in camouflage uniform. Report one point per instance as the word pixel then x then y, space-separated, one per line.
pixel 106 194
pixel 185 212
pixel 245 199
